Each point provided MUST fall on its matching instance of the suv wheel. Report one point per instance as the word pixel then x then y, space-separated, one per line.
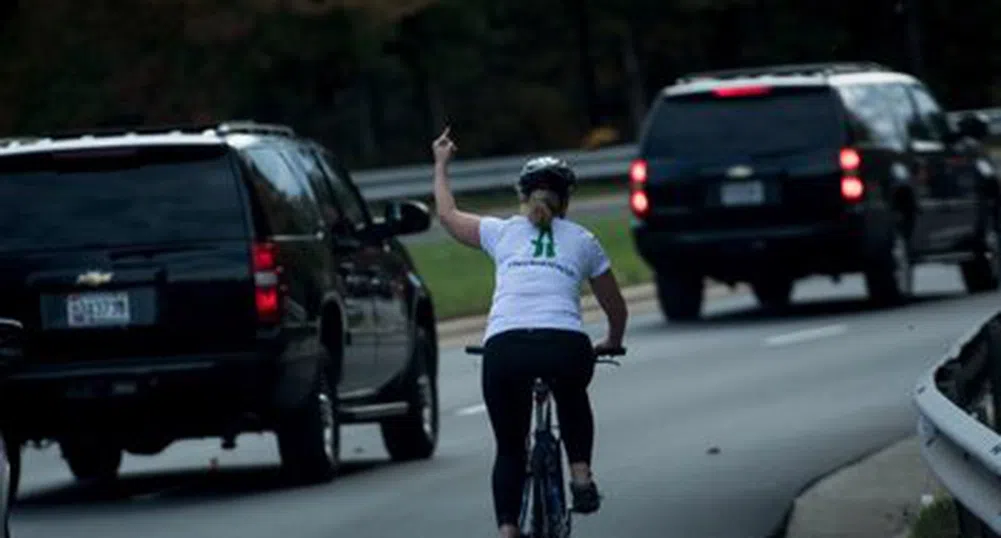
pixel 309 439
pixel 983 273
pixel 890 280
pixel 91 459
pixel 680 295
pixel 415 435
pixel 773 293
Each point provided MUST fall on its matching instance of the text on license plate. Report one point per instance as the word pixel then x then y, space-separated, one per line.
pixel 743 193
pixel 98 309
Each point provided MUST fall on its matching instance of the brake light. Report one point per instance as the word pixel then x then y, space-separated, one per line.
pixel 850 160
pixel 852 188
pixel 639 203
pixel 267 284
pixel 265 257
pixel 638 172
pixel 742 91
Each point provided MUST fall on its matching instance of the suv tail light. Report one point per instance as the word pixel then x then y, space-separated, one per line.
pixel 852 185
pixel 637 172
pixel 639 203
pixel 267 284
pixel 850 160
pixel 638 200
pixel 852 188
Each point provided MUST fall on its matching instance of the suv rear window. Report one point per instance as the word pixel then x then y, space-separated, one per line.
pixel 120 196
pixel 784 120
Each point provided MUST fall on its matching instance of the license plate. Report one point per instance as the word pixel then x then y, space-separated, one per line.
pixel 742 193
pixel 98 309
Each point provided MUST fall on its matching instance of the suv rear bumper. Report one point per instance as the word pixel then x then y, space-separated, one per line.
pixel 176 397
pixel 742 254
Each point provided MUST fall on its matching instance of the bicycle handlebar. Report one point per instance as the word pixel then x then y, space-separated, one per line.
pixel 617 352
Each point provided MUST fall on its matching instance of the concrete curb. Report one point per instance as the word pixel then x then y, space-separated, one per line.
pixel 878 496
pixel 460 327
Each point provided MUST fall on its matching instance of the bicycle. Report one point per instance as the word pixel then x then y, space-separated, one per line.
pixel 544 511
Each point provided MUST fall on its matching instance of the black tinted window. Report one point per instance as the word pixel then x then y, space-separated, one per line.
pixel 119 197
pixel 930 113
pixel 706 125
pixel 346 196
pixel 870 115
pixel 903 109
pixel 313 172
pixel 285 196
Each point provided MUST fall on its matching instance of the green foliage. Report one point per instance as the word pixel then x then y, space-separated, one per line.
pixel 377 79
pixel 939 520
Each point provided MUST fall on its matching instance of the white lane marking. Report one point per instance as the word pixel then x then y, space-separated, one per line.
pixel 472 410
pixel 806 335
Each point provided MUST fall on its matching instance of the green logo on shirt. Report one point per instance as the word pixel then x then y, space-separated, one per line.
pixel 544 244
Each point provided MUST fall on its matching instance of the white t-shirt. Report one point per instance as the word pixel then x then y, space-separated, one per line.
pixel 538 276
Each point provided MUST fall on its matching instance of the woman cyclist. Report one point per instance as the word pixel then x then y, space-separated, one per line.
pixel 534 328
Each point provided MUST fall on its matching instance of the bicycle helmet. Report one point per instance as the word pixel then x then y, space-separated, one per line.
pixel 547 172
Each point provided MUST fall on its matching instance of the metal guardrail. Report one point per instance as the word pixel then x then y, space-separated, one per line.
pixel 499 172
pixel 488 174
pixel 959 424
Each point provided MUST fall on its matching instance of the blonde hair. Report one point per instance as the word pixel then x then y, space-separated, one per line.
pixel 542 206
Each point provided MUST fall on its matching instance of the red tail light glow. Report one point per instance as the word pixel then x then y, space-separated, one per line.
pixel 639 203
pixel 265 258
pixel 742 91
pixel 638 172
pixel 267 303
pixel 267 284
pixel 852 188
pixel 850 160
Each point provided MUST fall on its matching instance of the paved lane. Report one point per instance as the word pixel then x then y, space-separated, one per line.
pixel 785 399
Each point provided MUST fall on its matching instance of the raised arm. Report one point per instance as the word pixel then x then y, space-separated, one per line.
pixel 463 226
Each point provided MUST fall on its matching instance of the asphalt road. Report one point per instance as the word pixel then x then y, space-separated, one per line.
pixel 784 398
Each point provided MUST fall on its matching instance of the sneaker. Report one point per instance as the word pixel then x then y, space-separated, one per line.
pixel 586 499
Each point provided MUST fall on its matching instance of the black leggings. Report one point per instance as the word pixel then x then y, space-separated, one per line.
pixel 512 360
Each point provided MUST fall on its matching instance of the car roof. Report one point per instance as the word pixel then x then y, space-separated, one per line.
pixel 795 75
pixel 235 134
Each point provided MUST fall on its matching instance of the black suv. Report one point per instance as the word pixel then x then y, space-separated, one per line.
pixel 207 281
pixel 766 175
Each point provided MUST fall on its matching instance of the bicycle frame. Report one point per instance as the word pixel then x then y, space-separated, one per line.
pixel 544 510
pixel 544 491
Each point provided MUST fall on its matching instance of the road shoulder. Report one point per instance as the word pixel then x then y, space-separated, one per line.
pixel 878 496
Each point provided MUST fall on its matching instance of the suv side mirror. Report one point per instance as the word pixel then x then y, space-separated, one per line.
pixel 407 217
pixel 973 125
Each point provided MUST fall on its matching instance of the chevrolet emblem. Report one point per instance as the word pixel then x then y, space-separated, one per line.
pixel 739 172
pixel 94 278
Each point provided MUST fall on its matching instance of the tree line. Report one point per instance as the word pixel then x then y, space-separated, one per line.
pixel 376 79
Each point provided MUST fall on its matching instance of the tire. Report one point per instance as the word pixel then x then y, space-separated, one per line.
pixel 309 438
pixel 983 273
pixel 550 464
pixel 91 460
pixel 890 279
pixel 415 435
pixel 14 460
pixel 680 295
pixel 774 293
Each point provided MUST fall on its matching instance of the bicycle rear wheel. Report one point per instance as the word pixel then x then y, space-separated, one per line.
pixel 532 521
pixel 549 466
